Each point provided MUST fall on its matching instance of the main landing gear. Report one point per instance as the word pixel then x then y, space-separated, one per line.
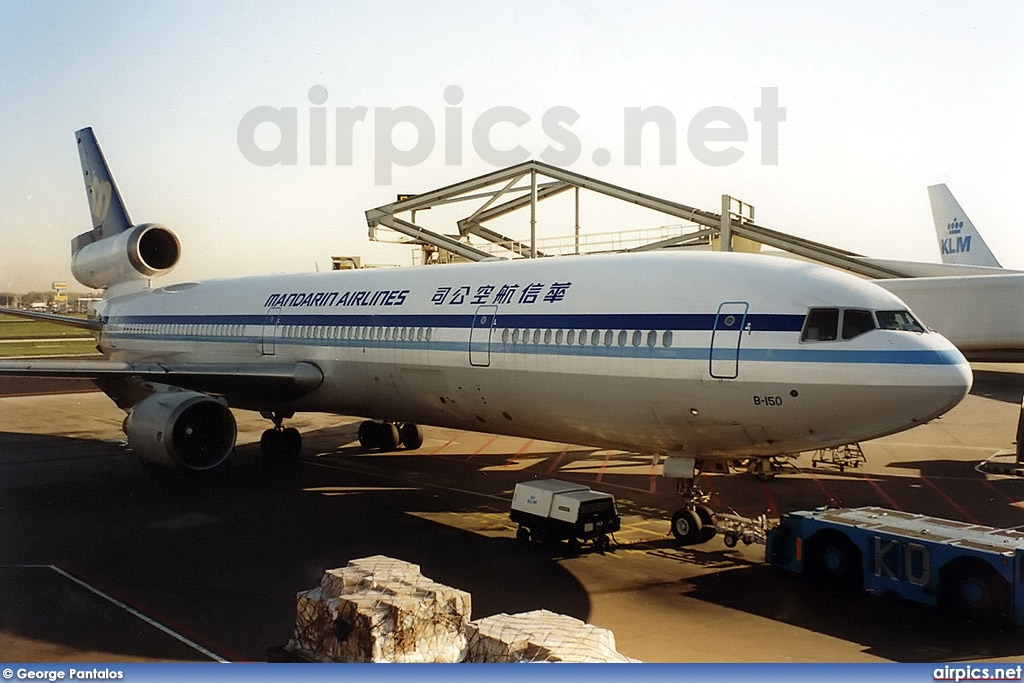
pixel 388 436
pixel 280 445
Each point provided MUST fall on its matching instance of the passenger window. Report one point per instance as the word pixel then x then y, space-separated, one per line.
pixel 857 322
pixel 821 325
pixel 898 320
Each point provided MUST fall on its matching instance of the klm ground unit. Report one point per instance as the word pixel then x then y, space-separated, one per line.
pixel 971 571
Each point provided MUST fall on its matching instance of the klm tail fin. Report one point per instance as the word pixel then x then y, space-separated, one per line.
pixel 109 216
pixel 959 241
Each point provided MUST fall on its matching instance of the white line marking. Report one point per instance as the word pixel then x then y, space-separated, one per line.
pixel 114 601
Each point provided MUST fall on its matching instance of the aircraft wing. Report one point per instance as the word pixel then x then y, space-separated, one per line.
pixel 70 321
pixel 284 379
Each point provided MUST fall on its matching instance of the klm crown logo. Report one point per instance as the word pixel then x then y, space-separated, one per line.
pixel 955 227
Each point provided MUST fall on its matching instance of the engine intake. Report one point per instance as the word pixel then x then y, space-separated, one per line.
pixel 144 251
pixel 182 429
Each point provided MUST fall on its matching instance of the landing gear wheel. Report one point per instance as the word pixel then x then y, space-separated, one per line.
pixel 269 443
pixel 388 437
pixel 291 441
pixel 708 522
pixel 369 435
pixel 281 446
pixel 686 526
pixel 411 436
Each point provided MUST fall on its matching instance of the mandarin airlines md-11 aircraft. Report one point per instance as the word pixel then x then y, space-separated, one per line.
pixel 699 357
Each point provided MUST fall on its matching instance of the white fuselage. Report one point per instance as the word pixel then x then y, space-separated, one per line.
pixel 699 354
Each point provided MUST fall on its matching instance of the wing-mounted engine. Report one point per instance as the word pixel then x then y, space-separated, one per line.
pixel 137 254
pixel 181 429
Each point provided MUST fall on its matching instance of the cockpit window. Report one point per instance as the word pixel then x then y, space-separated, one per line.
pixel 821 325
pixel 857 322
pixel 898 320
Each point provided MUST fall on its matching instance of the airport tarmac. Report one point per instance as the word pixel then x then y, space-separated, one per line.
pixel 104 560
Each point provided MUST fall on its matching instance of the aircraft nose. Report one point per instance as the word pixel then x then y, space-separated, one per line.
pixel 950 377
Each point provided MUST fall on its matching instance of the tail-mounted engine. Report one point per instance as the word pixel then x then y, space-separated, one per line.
pixel 137 254
pixel 182 429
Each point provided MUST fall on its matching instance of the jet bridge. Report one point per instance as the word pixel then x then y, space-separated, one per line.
pixel 525 185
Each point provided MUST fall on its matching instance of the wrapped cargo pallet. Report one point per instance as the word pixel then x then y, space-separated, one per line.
pixel 378 609
pixel 540 636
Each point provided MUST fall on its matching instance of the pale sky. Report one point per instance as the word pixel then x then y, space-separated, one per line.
pixel 881 99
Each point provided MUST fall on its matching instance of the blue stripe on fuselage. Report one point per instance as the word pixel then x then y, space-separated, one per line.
pixel 769 322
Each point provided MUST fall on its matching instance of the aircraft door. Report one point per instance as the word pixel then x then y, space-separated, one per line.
pixel 726 337
pixel 268 340
pixel 484 320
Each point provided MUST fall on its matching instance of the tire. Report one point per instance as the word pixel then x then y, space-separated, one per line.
pixel 523 534
pixel 369 438
pixel 971 589
pixel 291 443
pixel 708 522
pixel 686 526
pixel 730 540
pixel 832 558
pixel 411 436
pixel 270 444
pixel 389 438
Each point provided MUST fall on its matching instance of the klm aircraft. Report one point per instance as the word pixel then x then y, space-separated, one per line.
pixel 696 357
pixel 959 241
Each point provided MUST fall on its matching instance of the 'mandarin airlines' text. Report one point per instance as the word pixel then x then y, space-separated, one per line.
pixel 380 297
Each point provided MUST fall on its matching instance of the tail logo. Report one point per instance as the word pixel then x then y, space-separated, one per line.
pixel 955 227
pixel 99 198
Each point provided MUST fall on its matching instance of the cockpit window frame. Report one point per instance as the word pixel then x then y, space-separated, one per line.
pixel 908 324
pixel 850 331
pixel 817 323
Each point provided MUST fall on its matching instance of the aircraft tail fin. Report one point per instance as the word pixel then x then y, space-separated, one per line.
pixel 959 241
pixel 109 217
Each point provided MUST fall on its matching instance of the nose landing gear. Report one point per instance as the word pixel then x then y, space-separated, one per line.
pixel 695 522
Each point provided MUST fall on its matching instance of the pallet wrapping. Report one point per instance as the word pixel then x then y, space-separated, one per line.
pixel 540 636
pixel 378 609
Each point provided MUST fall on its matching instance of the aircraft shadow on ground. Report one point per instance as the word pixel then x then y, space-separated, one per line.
pixel 223 555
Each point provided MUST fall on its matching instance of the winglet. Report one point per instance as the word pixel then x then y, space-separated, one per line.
pixel 109 216
pixel 959 241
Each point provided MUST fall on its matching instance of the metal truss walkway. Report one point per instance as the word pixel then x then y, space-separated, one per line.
pixel 501 194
